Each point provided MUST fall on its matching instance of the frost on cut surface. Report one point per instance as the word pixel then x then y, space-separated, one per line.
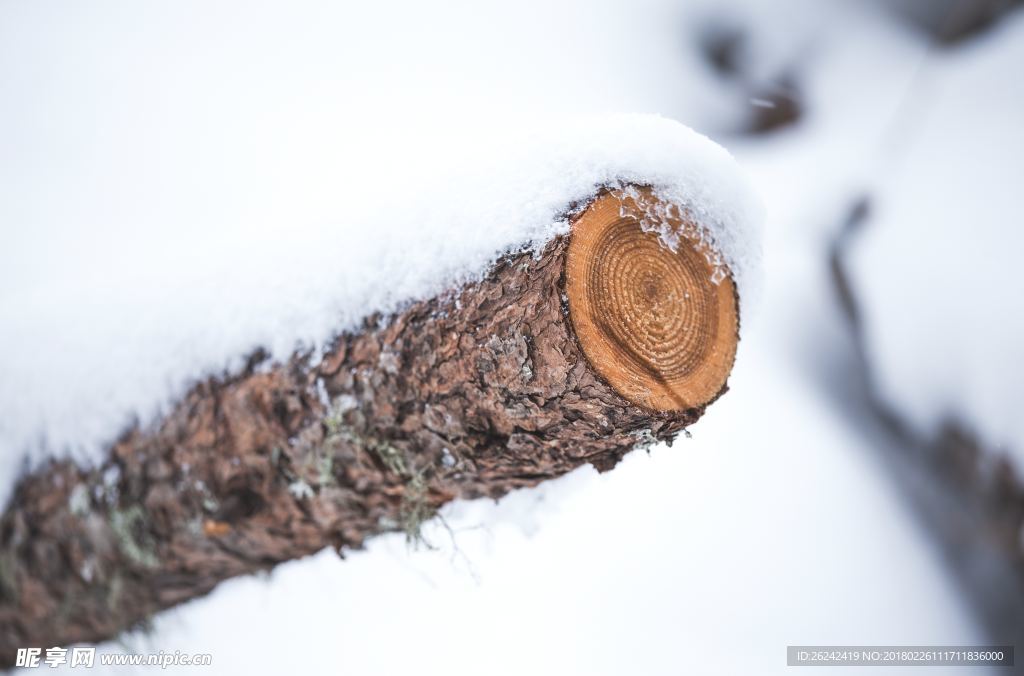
pixel 166 210
pixel 718 242
pixel 937 267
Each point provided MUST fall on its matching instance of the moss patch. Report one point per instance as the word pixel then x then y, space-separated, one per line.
pixel 134 541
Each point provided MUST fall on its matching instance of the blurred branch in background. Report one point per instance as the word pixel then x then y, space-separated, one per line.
pixel 950 21
pixel 774 101
pixel 968 496
pixel 965 489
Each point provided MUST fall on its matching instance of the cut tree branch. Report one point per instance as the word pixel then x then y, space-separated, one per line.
pixel 604 341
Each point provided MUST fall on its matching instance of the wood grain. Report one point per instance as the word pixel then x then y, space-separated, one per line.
pixel 651 320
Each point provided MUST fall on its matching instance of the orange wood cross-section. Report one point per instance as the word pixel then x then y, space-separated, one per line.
pixel 652 321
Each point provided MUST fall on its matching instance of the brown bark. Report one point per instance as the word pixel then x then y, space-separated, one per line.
pixel 474 393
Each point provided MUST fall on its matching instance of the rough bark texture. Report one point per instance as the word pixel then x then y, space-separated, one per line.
pixel 472 394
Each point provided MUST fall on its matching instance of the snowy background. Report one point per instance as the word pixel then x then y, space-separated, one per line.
pixel 157 159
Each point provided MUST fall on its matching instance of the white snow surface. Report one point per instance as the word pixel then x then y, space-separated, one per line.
pixel 175 193
pixel 937 266
pixel 773 525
